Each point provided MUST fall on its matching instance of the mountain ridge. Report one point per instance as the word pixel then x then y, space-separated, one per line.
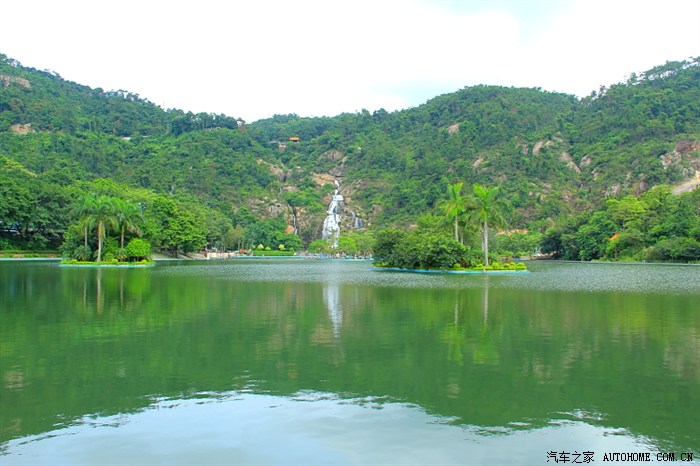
pixel 552 154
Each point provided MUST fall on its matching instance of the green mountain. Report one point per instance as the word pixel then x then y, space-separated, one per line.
pixel 552 155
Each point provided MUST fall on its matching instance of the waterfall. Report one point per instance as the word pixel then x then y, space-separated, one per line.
pixel 331 224
pixel 356 220
pixel 294 220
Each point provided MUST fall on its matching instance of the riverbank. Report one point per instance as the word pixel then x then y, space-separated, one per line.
pixel 452 272
pixel 29 255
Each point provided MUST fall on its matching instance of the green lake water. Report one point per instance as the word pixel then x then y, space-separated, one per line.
pixel 332 362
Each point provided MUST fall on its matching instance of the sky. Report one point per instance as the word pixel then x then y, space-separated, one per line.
pixel 253 59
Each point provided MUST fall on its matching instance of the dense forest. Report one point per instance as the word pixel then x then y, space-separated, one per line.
pixel 590 178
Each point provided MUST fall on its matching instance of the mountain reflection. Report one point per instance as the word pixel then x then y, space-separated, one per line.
pixel 107 341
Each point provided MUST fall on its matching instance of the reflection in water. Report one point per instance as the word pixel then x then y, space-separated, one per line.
pixel 307 428
pixel 105 290
pixel 477 355
pixel 485 300
pixel 331 297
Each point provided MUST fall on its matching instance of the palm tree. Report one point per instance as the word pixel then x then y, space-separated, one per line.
pixel 85 209
pixel 454 206
pixel 488 209
pixel 126 214
pixel 99 212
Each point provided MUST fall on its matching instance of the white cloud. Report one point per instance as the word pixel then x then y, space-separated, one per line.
pixel 254 59
pixel 600 42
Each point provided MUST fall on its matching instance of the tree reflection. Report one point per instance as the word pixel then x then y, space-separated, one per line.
pixel 107 340
pixel 485 299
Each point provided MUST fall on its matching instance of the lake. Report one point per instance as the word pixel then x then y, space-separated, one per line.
pixel 332 362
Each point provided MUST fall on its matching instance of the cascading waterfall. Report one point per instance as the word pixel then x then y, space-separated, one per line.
pixel 331 224
pixel 356 220
pixel 294 220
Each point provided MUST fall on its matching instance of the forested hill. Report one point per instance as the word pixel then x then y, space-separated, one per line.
pixel 552 154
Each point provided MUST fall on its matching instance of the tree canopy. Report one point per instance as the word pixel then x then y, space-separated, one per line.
pixel 556 160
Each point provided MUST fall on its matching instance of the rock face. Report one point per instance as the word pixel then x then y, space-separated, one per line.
pixel 685 152
pixel 22 128
pixel 686 157
pixel 566 158
pixel 7 80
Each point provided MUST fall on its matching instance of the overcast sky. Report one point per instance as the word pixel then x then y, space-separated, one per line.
pixel 252 59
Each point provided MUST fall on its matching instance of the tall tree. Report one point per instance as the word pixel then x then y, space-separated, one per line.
pixel 100 212
pixel 454 207
pixel 127 216
pixel 86 219
pixel 488 209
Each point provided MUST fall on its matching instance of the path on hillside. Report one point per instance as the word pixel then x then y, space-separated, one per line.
pixel 688 185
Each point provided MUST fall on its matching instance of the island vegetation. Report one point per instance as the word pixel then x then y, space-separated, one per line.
pixel 431 247
pixel 86 173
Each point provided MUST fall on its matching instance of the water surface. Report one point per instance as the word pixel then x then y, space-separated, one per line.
pixel 330 362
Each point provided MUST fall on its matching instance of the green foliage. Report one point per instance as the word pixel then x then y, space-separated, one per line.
pixel 418 250
pixel 138 249
pixel 674 249
pixel 319 245
pixel 179 227
pixel 520 243
pixel 272 253
pixel 187 181
pixel 110 246
pixel 657 225
pixel 454 207
pixel 288 241
pixel 233 237
pixel 386 246
pixel 488 209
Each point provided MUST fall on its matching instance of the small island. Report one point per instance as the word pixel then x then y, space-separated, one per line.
pixel 429 249
pixel 100 215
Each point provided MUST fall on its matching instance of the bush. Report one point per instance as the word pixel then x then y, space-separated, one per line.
pixel 674 249
pixel 319 245
pixel 386 244
pixel 110 246
pixel 121 254
pixel 82 253
pixel 416 250
pixel 138 249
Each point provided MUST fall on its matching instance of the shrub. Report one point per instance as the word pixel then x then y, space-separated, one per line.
pixel 110 246
pixel 82 253
pixel 121 254
pixel 395 248
pixel 138 249
pixel 674 249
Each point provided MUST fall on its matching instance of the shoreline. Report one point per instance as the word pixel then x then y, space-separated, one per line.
pixel 452 272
